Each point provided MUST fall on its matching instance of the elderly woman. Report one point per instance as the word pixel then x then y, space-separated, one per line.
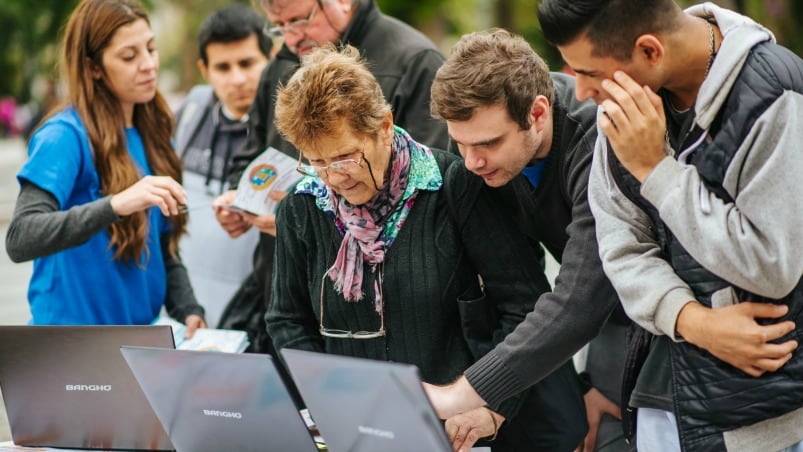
pixel 370 258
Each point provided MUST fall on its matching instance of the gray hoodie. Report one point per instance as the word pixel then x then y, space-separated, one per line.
pixel 754 242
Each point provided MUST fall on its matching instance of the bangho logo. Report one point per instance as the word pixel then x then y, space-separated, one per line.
pixel 89 388
pixel 379 433
pixel 229 414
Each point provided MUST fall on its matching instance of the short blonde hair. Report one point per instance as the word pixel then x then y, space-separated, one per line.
pixel 330 88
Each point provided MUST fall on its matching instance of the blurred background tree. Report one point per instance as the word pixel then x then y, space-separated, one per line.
pixel 30 31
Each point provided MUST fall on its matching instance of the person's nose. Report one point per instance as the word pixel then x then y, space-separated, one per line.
pixel 334 177
pixel 238 76
pixel 473 160
pixel 149 62
pixel 584 88
pixel 292 37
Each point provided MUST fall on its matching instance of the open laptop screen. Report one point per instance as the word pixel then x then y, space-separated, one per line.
pixel 363 405
pixel 68 387
pixel 212 401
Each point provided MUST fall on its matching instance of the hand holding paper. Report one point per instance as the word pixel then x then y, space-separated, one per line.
pixel 271 172
pixel 232 221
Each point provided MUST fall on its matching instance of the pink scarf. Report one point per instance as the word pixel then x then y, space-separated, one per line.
pixel 364 225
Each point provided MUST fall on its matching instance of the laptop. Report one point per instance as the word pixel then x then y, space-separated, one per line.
pixel 212 401
pixel 364 405
pixel 68 387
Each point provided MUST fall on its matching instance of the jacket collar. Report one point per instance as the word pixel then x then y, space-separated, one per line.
pixel 364 17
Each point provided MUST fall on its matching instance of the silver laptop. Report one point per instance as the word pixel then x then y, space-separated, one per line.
pixel 212 401
pixel 363 405
pixel 68 387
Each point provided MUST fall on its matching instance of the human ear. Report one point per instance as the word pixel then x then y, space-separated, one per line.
pixel 204 70
pixel 95 71
pixel 539 112
pixel 649 48
pixel 387 129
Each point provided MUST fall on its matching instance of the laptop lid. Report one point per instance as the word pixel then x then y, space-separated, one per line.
pixel 363 405
pixel 68 386
pixel 211 401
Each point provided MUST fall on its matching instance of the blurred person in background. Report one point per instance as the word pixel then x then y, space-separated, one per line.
pixel 46 99
pixel 8 112
pixel 402 59
pixel 212 124
pixel 99 204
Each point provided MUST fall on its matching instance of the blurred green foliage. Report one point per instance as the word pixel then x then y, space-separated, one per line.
pixel 30 30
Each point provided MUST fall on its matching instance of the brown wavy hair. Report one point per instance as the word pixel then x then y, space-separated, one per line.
pixel 89 31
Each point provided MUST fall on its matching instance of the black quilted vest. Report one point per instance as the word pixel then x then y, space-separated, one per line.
pixel 710 396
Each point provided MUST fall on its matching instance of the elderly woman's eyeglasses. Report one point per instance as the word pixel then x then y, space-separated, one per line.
pixel 295 26
pixel 346 166
pixel 343 334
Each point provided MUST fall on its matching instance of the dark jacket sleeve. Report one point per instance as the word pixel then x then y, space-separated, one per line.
pixel 564 319
pixel 290 319
pixel 180 300
pixel 38 228
pixel 509 265
pixel 411 101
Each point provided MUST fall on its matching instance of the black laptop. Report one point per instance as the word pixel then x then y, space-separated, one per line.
pixel 68 387
pixel 363 405
pixel 212 401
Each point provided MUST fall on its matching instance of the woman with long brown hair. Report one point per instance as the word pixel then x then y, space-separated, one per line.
pixel 99 208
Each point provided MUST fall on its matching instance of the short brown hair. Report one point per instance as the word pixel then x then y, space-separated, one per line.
pixel 488 68
pixel 331 87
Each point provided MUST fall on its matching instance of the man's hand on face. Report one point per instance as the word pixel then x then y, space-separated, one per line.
pixel 634 123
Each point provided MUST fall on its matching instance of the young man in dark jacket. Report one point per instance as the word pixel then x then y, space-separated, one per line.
pixel 403 60
pixel 695 186
pixel 211 127
pixel 527 143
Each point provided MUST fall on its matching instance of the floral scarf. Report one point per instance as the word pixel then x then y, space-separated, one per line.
pixel 370 229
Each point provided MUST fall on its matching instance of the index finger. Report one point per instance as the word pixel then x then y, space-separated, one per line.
pixel 637 92
pixel 626 82
pixel 453 432
pixel 628 95
pixel 175 189
pixel 459 442
pixel 778 330
pixel 277 195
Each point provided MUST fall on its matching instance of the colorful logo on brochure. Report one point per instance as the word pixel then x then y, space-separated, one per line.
pixel 262 176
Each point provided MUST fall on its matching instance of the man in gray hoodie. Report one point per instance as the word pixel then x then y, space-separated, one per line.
pixel 694 188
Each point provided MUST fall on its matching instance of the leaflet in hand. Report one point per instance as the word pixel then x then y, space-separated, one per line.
pixel 271 170
pixel 206 339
